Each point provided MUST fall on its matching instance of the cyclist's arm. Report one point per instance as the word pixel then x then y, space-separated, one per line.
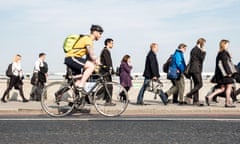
pixel 91 53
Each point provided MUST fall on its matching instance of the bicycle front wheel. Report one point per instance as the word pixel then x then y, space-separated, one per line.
pixel 58 99
pixel 111 99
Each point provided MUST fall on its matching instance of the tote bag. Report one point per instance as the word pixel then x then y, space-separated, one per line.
pixel 172 73
pixel 231 66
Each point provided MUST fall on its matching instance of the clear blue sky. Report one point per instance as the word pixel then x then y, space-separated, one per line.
pixel 32 26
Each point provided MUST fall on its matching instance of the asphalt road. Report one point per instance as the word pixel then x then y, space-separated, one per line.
pixel 133 130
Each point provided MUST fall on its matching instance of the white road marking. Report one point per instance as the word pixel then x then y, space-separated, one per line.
pixel 120 119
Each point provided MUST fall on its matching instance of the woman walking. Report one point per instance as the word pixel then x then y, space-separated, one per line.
pixel 125 74
pixel 223 74
pixel 15 79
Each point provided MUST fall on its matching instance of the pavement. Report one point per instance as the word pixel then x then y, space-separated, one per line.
pixel 152 106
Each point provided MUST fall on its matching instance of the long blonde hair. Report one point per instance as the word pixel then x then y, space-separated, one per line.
pixel 222 45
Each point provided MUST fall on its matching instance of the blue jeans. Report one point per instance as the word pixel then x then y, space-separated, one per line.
pixel 142 90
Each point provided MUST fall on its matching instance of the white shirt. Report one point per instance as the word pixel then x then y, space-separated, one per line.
pixel 39 63
pixel 17 69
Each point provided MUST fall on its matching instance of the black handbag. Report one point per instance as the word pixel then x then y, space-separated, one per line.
pixel 186 72
pixel 34 79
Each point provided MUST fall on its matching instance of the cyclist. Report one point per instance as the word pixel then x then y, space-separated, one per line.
pixel 83 56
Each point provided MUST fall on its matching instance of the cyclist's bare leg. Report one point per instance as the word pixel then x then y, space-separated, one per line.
pixel 89 68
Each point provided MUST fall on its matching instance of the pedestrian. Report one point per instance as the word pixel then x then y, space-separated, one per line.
pixel 106 61
pixel 223 74
pixel 178 62
pixel 151 71
pixel 39 77
pixel 15 79
pixel 125 74
pixel 165 69
pixel 197 57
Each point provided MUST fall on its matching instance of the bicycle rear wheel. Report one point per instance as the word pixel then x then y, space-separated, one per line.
pixel 111 99
pixel 58 99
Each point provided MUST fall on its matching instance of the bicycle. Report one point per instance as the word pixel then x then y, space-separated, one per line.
pixel 60 98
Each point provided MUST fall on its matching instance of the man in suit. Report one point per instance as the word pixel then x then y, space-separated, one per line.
pixel 106 60
pixel 151 71
pixel 197 57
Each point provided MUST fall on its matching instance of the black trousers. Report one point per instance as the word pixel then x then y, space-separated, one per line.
pixel 175 96
pixel 109 88
pixel 122 94
pixel 15 82
pixel 197 81
pixel 36 91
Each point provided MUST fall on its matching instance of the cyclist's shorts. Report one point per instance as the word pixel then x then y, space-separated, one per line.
pixel 76 64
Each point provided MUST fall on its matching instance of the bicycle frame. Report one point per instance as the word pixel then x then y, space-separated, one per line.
pixel 99 81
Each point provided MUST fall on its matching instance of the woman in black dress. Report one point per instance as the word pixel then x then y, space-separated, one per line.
pixel 223 73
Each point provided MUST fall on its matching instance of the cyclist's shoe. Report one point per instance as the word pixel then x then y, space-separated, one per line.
pixel 60 92
pixel 57 97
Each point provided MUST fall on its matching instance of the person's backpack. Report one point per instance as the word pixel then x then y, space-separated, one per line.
pixel 71 41
pixel 9 71
pixel 167 64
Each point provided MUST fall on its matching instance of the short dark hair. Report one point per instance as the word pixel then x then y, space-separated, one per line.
pixel 18 55
pixel 97 28
pixel 41 54
pixel 181 45
pixel 108 40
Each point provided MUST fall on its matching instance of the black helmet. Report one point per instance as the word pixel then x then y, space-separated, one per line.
pixel 97 28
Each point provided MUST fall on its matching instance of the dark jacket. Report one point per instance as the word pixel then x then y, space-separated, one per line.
pixel 151 66
pixel 178 61
pixel 106 60
pixel 197 57
pixel 40 76
pixel 42 73
pixel 125 75
pixel 224 56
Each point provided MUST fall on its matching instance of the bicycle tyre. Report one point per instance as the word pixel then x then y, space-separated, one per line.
pixel 119 103
pixel 61 105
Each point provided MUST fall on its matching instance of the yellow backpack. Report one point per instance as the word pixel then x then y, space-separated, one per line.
pixel 71 41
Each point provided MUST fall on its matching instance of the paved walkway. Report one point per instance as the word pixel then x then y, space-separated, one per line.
pixel 151 107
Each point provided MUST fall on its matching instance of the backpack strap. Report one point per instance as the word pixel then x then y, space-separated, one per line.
pixel 80 36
